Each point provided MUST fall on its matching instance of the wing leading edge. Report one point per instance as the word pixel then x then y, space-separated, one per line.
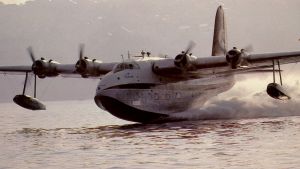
pixel 206 66
pixel 16 69
pixel 52 69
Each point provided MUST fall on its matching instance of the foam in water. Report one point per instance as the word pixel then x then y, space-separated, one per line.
pixel 251 106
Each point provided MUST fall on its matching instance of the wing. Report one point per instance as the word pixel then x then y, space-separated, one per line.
pixel 42 68
pixel 197 67
pixel 15 69
pixel 267 59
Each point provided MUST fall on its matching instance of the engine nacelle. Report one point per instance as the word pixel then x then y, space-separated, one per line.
pixel 184 61
pixel 87 67
pixel 277 92
pixel 234 57
pixel 45 68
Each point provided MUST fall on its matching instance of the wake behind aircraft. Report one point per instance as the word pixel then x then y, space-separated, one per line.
pixel 149 89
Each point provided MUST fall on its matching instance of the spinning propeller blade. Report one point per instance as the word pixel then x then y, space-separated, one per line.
pixel 190 47
pixel 81 51
pixel 31 54
pixel 248 48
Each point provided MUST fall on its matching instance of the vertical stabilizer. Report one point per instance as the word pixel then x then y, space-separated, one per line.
pixel 219 47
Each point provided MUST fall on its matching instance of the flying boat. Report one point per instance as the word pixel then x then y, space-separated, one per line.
pixel 149 89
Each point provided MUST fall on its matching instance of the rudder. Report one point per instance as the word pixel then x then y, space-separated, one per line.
pixel 219 47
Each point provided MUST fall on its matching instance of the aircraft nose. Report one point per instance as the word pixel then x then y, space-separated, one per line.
pixel 98 102
pixel 100 93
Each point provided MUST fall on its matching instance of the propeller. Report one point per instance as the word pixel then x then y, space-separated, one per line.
pixel 190 47
pixel 31 54
pixel 34 69
pixel 235 56
pixel 81 51
pixel 36 65
pixel 86 67
pixel 247 49
pixel 81 64
pixel 182 59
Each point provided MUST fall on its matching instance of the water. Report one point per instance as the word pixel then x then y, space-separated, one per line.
pixel 76 134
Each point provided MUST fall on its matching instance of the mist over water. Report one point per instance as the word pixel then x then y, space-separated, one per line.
pixel 237 107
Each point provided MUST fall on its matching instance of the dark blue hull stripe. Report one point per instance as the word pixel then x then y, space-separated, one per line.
pixel 129 113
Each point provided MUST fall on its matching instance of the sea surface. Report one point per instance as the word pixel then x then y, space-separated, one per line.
pixel 77 134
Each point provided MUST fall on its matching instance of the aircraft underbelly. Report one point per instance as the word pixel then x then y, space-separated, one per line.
pixel 170 98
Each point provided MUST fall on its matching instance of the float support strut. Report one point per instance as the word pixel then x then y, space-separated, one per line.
pixel 25 83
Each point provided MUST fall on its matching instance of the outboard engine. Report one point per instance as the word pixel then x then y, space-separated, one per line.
pixel 45 68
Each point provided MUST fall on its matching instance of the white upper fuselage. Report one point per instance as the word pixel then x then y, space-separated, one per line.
pixel 134 84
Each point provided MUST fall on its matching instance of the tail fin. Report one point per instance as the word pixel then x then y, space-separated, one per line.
pixel 219 47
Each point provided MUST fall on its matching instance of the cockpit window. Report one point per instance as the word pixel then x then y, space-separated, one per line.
pixel 123 66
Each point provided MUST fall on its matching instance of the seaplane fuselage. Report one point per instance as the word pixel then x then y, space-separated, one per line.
pixel 132 91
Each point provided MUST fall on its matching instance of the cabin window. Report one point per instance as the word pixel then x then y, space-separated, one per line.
pixel 124 66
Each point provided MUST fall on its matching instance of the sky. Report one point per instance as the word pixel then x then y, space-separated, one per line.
pixel 14 1
pixel 110 28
